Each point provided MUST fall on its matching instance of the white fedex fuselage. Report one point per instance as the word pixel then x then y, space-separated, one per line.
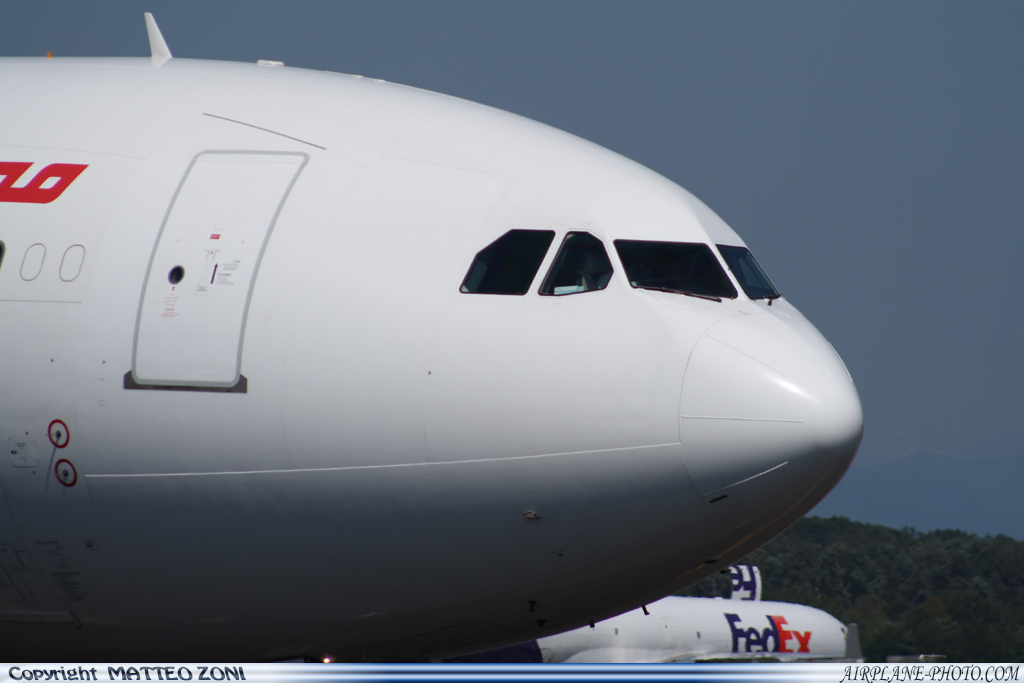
pixel 681 629
pixel 327 448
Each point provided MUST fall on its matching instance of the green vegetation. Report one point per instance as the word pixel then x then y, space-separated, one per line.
pixel 941 592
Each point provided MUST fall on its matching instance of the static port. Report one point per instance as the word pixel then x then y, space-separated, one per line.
pixel 176 275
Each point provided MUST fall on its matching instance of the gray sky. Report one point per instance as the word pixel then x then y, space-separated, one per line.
pixel 870 153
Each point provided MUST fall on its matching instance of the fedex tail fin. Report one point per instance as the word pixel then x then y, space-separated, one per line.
pixel 746 582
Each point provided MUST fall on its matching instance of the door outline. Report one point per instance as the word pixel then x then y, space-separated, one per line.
pixel 239 384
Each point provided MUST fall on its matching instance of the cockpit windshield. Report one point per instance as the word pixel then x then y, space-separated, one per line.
pixel 748 273
pixel 679 267
pixel 508 264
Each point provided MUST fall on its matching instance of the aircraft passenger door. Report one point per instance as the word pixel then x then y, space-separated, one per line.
pixel 201 275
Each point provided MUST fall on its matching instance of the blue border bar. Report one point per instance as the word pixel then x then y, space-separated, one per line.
pixel 835 672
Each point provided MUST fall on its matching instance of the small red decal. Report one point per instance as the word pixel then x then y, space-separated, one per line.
pixel 56 177
pixel 59 433
pixel 215 236
pixel 66 472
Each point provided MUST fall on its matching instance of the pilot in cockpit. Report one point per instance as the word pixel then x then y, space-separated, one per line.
pixel 582 265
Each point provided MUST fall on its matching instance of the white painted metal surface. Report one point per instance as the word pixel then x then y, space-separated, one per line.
pixel 157 45
pixel 203 269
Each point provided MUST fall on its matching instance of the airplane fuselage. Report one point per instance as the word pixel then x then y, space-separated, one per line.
pixel 683 629
pixel 310 440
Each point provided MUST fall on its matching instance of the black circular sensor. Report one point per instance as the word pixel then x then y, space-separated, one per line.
pixel 176 275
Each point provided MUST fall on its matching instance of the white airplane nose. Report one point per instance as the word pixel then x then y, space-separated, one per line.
pixel 770 417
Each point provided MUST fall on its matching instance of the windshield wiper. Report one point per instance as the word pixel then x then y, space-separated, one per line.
pixel 656 288
pixel 708 297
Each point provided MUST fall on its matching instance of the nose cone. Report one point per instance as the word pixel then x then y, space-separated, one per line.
pixel 770 416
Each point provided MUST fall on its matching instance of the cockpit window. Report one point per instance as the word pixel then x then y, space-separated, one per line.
pixel 679 267
pixel 748 273
pixel 581 265
pixel 509 264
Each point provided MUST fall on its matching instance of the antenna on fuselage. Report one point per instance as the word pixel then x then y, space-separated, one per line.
pixel 159 51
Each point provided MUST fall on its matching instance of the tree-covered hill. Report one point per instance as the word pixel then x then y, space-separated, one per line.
pixel 941 592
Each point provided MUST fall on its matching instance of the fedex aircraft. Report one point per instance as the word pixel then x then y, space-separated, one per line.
pixel 306 364
pixel 678 629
